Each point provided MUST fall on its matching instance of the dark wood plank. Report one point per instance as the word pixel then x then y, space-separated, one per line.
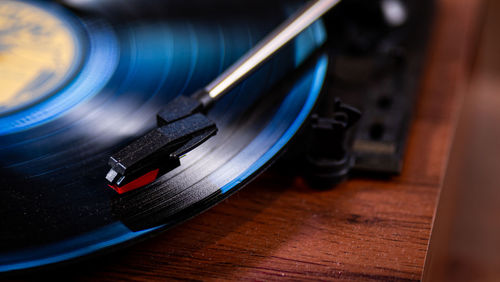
pixel 278 227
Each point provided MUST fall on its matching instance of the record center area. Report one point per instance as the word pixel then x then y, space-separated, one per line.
pixel 39 51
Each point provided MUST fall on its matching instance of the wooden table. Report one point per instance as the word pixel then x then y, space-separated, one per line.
pixel 278 227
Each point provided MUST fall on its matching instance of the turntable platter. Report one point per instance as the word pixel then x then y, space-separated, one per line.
pixel 117 65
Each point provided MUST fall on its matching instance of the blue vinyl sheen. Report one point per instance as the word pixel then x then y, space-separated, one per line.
pixel 117 233
pixel 106 53
pixel 312 84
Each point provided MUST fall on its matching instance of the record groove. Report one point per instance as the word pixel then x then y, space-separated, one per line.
pixel 53 194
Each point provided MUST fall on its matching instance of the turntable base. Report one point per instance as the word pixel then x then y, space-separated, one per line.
pixel 364 229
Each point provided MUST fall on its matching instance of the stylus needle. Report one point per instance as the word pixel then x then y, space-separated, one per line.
pixel 181 124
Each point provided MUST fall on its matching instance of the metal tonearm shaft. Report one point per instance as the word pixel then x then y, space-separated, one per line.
pixel 269 46
pixel 182 126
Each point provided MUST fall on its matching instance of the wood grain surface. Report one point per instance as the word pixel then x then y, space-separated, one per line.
pixel 278 227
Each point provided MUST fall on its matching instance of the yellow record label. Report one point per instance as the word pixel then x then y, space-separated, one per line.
pixel 37 53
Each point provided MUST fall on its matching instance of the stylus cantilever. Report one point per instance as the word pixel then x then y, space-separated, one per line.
pixel 182 125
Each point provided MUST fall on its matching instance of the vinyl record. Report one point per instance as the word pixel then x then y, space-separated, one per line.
pixel 85 78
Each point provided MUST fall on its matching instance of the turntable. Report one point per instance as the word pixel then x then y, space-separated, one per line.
pixel 83 80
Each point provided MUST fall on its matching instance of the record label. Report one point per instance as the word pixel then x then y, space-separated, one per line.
pixel 38 51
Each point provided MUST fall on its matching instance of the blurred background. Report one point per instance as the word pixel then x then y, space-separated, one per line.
pixel 465 242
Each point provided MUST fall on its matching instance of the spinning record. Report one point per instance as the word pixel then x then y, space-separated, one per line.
pixel 82 79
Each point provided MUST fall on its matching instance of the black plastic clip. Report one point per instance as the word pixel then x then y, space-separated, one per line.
pixel 328 155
